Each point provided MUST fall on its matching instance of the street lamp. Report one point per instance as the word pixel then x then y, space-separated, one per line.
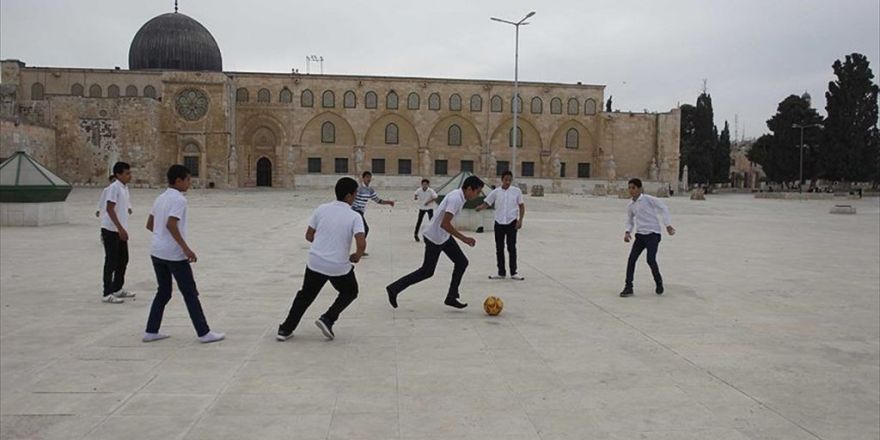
pixel 802 127
pixel 515 101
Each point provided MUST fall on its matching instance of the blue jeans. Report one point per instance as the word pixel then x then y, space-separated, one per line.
pixel 182 272
pixel 644 241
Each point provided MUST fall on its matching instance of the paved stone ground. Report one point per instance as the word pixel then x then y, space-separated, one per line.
pixel 770 329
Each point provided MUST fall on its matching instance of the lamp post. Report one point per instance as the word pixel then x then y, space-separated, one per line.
pixel 515 101
pixel 802 127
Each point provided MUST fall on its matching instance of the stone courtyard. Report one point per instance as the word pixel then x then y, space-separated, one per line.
pixel 769 329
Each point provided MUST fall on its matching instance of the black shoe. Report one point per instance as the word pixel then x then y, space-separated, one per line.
pixel 283 335
pixel 659 290
pixel 453 302
pixel 392 297
pixel 627 291
pixel 325 327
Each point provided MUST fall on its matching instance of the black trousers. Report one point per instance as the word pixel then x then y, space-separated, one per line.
pixel 346 285
pixel 422 213
pixel 182 272
pixel 505 233
pixel 429 264
pixel 115 261
pixel 644 241
pixel 366 226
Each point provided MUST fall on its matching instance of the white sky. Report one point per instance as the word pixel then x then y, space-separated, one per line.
pixel 650 54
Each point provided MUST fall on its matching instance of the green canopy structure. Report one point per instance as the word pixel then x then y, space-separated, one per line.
pixel 454 184
pixel 24 180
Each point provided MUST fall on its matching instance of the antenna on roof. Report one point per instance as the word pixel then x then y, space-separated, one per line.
pixel 175 6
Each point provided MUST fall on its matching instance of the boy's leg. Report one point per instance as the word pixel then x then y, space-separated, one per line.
pixel 312 284
pixel 429 264
pixel 453 251
pixel 111 257
pixel 430 214
pixel 347 287
pixel 186 284
pixel 500 231
pixel 652 244
pixel 511 247
pixel 163 294
pixel 366 226
pixel 121 265
pixel 637 248
pixel 419 223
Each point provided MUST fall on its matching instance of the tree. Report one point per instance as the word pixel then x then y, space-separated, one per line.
pixel 721 157
pixel 704 141
pixel 686 140
pixel 758 151
pixel 783 157
pixel 851 149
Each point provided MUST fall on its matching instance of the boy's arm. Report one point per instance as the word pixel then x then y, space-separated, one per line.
pixel 310 234
pixel 178 237
pixel 629 224
pixel 664 213
pixel 361 246
pixel 150 223
pixel 448 227
pixel 111 212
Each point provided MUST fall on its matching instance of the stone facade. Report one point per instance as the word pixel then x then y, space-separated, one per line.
pixel 248 129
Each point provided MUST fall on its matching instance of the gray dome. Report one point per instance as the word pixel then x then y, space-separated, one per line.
pixel 174 41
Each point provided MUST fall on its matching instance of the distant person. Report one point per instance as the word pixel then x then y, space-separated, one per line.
pixel 116 204
pixel 425 197
pixel 364 194
pixel 330 231
pixel 509 213
pixel 440 237
pixel 102 203
pixel 172 257
pixel 643 211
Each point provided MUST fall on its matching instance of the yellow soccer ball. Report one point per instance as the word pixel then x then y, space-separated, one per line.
pixel 493 305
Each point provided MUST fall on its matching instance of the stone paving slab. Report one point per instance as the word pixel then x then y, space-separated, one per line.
pixel 770 329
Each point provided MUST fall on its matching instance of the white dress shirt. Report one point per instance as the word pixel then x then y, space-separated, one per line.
pixel 335 225
pixel 644 211
pixel 422 197
pixel 170 203
pixel 116 192
pixel 506 203
pixel 453 202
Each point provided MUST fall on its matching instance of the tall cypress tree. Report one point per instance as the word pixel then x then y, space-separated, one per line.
pixel 851 147
pixel 721 157
pixel 783 156
pixel 705 140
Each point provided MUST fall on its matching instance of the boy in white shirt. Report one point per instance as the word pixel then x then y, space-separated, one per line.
pixel 424 197
pixel 643 211
pixel 330 231
pixel 509 213
pixel 440 237
pixel 172 256
pixel 114 234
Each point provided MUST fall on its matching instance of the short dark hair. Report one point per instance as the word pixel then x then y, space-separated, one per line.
pixel 177 171
pixel 507 173
pixel 472 182
pixel 120 167
pixel 111 177
pixel 344 187
pixel 635 181
pixel 426 181
pixel 366 173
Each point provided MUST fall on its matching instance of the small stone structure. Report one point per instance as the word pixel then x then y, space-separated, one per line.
pixel 600 190
pixel 698 194
pixel 537 191
pixel 843 209
pixel 30 194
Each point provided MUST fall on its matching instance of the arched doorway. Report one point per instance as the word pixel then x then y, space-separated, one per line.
pixel 264 172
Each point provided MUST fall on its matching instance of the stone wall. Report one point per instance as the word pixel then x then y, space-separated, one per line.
pixel 36 141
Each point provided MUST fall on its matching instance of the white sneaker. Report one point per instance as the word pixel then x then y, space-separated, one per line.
pixel 122 293
pixel 212 337
pixel 517 277
pixel 150 337
pixel 497 277
pixel 112 299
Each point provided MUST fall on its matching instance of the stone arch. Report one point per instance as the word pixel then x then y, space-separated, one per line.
pixel 264 137
pixel 531 135
pixel 253 124
pixel 113 91
pixel 407 134
pixel 470 136
pixel 311 133
pixel 131 91
pixel 264 96
pixel 587 151
pixel 585 136
pixel 242 95
pixel 95 91
pixel 76 89
pixel 37 91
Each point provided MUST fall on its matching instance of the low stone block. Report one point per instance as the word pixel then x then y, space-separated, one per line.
pixel 843 209
pixel 600 190
pixel 537 191
pixel 698 194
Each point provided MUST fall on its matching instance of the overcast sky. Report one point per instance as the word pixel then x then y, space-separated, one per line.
pixel 650 54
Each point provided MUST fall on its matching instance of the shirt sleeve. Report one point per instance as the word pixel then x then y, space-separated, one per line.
pixel 313 220
pixel 519 198
pixel 433 194
pixel 664 210
pixel 374 196
pixel 112 195
pixel 358 225
pixel 629 217
pixel 178 209
pixel 490 199
pixel 455 205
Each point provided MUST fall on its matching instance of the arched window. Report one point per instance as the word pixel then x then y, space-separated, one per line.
pixel 391 134
pixel 95 91
pixel 556 106
pixel 572 138
pixel 113 91
pixel 590 107
pixel 476 103
pixel 537 106
pixel 413 102
pixel 496 104
pixel 371 100
pixel 306 98
pixel 455 103
pixel 328 133
pixel 349 100
pixel 519 137
pixel 391 101
pixel 131 91
pixel 264 96
pixel 328 99
pixel 573 106
pixel 149 92
pixel 518 102
pixel 454 138
pixel 76 89
pixel 434 101
pixel 37 92
pixel 286 96
pixel 191 155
